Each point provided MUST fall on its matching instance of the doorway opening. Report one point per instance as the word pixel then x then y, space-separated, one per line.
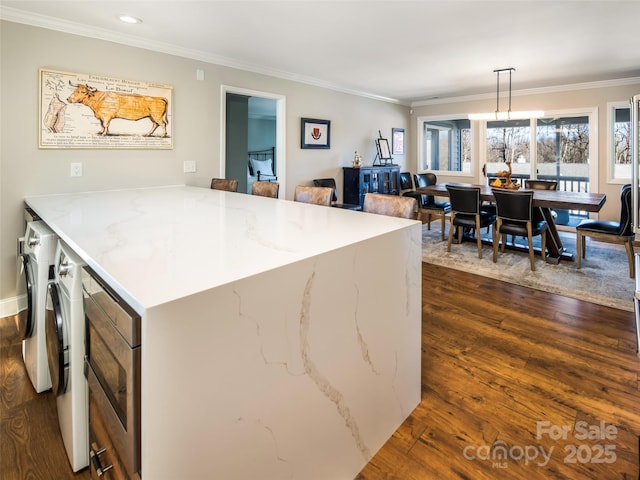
pixel 252 122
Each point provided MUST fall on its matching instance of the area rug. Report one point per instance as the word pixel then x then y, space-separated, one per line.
pixel 603 277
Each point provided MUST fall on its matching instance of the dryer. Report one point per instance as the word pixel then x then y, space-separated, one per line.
pixel 35 269
pixel 65 332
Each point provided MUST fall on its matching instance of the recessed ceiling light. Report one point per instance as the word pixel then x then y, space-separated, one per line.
pixel 129 19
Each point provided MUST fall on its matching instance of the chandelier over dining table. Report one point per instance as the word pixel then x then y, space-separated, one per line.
pixel 508 114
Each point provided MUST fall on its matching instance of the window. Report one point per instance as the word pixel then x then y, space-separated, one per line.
pixel 445 145
pixel 563 146
pixel 560 152
pixel 563 151
pixel 509 141
pixel 619 142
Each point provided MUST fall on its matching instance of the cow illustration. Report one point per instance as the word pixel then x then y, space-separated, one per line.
pixel 109 105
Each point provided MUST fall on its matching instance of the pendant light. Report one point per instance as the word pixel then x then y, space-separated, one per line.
pixel 508 114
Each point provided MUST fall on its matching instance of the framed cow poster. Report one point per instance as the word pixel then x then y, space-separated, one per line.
pixel 78 110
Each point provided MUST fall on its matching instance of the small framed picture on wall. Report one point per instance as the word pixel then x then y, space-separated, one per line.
pixel 397 141
pixel 315 133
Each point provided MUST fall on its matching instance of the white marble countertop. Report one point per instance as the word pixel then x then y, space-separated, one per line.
pixel 155 245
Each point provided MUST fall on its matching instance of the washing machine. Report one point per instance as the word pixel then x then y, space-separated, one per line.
pixel 36 251
pixel 65 332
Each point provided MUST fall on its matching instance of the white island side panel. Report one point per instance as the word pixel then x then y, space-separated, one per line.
pixel 301 372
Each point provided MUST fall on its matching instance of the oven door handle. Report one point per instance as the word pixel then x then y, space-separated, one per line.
pixel 95 460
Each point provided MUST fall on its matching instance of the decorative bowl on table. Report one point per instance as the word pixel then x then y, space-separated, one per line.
pixel 508 185
pixel 504 179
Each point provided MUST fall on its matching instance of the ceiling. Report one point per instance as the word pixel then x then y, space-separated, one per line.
pixel 403 51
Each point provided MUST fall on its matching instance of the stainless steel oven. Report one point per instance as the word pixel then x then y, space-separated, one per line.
pixel 112 368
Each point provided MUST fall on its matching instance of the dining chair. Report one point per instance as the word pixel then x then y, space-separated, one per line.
pixel 331 183
pixel 406 184
pixel 541 185
pixel 265 189
pixel 391 205
pixel 515 216
pixel 315 195
pixel 467 214
pixel 609 231
pixel 428 204
pixel 406 187
pixel 227 184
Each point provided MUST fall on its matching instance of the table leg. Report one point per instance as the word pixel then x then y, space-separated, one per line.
pixel 555 249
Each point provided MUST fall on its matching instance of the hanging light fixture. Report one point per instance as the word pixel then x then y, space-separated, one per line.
pixel 508 114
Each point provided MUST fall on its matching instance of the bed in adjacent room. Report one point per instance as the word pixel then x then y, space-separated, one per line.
pixel 261 166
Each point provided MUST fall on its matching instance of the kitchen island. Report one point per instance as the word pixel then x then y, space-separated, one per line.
pixel 279 339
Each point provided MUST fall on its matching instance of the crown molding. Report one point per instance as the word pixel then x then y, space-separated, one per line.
pixel 50 23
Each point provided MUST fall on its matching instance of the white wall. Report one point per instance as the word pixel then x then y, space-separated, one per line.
pixel 262 133
pixel 27 170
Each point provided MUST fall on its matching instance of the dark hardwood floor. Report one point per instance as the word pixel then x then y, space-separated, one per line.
pixel 506 366
pixel 503 366
pixel 30 442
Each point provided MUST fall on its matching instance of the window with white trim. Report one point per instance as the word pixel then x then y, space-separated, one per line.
pixel 619 136
pixel 445 145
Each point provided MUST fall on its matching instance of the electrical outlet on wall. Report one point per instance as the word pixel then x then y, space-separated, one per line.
pixel 76 169
pixel 189 166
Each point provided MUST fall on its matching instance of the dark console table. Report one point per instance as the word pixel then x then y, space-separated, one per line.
pixel 375 179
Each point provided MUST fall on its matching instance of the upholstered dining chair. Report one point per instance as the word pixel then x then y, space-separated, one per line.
pixel 315 195
pixel 541 185
pixel 610 232
pixel 331 183
pixel 406 187
pixel 427 203
pixel 227 184
pixel 391 205
pixel 265 189
pixel 515 216
pixel 406 184
pixel 467 214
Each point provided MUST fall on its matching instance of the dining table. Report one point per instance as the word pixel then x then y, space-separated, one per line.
pixel 546 200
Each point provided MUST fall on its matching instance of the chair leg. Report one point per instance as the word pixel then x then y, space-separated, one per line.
pixel 494 237
pixel 478 236
pixel 443 223
pixel 578 249
pixel 429 221
pixel 629 247
pixel 543 245
pixel 532 260
pixel 451 229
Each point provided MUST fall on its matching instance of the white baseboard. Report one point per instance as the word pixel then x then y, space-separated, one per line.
pixel 11 306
